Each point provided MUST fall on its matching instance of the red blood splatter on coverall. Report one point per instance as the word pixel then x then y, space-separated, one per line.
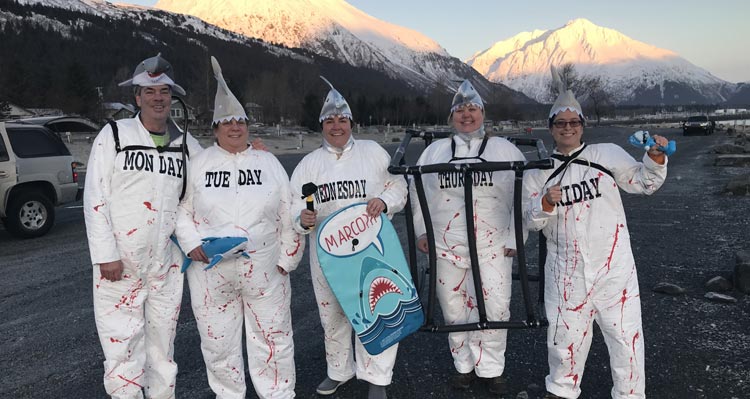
pixel 130 205
pixel 590 272
pixel 481 351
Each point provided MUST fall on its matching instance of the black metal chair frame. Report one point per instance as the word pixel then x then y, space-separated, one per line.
pixel 398 166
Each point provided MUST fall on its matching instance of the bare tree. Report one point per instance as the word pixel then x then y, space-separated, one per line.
pixel 597 97
pixel 569 77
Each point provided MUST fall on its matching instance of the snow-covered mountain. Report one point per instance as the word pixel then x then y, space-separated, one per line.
pixel 337 30
pixel 633 72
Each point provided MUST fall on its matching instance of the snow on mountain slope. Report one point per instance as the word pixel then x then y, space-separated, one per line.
pixel 628 68
pixel 334 29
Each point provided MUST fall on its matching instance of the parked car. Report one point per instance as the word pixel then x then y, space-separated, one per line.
pixel 699 124
pixel 37 173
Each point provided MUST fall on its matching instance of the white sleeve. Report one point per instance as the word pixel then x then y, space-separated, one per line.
pixel 632 176
pixel 96 195
pixel 394 189
pixel 535 218
pixel 517 156
pixel 292 244
pixel 299 177
pixel 186 232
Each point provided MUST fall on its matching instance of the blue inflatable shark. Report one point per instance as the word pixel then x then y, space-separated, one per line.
pixel 644 140
pixel 219 248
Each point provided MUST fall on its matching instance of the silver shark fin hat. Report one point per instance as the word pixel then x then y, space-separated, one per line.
pixel 226 105
pixel 154 71
pixel 465 95
pixel 565 101
pixel 335 104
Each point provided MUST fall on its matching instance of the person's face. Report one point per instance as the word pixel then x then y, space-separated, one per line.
pixel 337 129
pixel 467 118
pixel 232 135
pixel 567 137
pixel 154 102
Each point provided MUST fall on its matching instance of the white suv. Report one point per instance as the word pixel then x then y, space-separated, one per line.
pixel 37 173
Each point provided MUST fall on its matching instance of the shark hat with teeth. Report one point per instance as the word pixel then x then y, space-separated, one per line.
pixel 335 104
pixel 465 95
pixel 226 105
pixel 565 101
pixel 154 71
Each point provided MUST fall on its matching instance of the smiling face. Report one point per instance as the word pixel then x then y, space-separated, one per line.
pixel 567 137
pixel 336 130
pixel 154 102
pixel 232 135
pixel 467 118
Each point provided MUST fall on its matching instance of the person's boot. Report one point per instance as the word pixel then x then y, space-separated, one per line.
pixel 463 380
pixel 329 386
pixel 497 385
pixel 376 392
pixel 552 396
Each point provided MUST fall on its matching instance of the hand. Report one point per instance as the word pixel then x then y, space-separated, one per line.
pixel 281 270
pixel 375 207
pixel 509 252
pixel 660 142
pixel 307 218
pixel 422 243
pixel 258 144
pixel 554 194
pixel 197 254
pixel 112 271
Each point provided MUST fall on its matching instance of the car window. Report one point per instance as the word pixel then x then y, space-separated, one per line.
pixel 697 119
pixel 3 151
pixel 36 142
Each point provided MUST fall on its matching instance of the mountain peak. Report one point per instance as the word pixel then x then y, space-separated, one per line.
pixel 624 64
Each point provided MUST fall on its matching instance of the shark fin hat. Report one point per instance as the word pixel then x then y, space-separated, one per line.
pixel 565 101
pixel 335 104
pixel 226 105
pixel 466 94
pixel 154 71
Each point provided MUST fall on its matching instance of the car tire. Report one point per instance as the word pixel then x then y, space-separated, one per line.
pixel 29 215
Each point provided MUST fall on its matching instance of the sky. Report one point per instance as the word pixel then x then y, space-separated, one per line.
pixel 714 35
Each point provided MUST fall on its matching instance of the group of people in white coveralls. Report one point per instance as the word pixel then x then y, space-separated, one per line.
pixel 153 197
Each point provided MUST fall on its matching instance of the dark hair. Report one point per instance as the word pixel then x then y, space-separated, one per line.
pixel 552 119
pixel 351 122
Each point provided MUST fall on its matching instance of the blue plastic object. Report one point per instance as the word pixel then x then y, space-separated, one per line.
pixel 643 139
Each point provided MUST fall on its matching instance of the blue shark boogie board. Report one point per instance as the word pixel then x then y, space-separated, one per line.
pixel 364 264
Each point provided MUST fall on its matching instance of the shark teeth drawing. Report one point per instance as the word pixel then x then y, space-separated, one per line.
pixel 379 288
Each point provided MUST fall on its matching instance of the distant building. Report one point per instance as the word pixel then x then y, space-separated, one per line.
pixel 254 112
pixel 178 113
pixel 117 111
pixel 17 112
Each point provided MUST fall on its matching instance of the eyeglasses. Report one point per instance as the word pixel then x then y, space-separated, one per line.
pixel 561 124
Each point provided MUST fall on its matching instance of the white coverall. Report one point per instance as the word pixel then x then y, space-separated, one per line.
pixel 481 351
pixel 590 272
pixel 242 195
pixel 130 208
pixel 360 175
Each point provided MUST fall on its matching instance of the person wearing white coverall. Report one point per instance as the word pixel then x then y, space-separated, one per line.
pixel 475 353
pixel 343 161
pixel 236 191
pixel 590 272
pixel 130 209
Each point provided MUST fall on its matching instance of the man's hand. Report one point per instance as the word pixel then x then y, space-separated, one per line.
pixel 422 243
pixel 554 194
pixel 375 207
pixel 281 270
pixel 112 271
pixel 660 142
pixel 307 218
pixel 197 254
pixel 509 252
pixel 258 144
